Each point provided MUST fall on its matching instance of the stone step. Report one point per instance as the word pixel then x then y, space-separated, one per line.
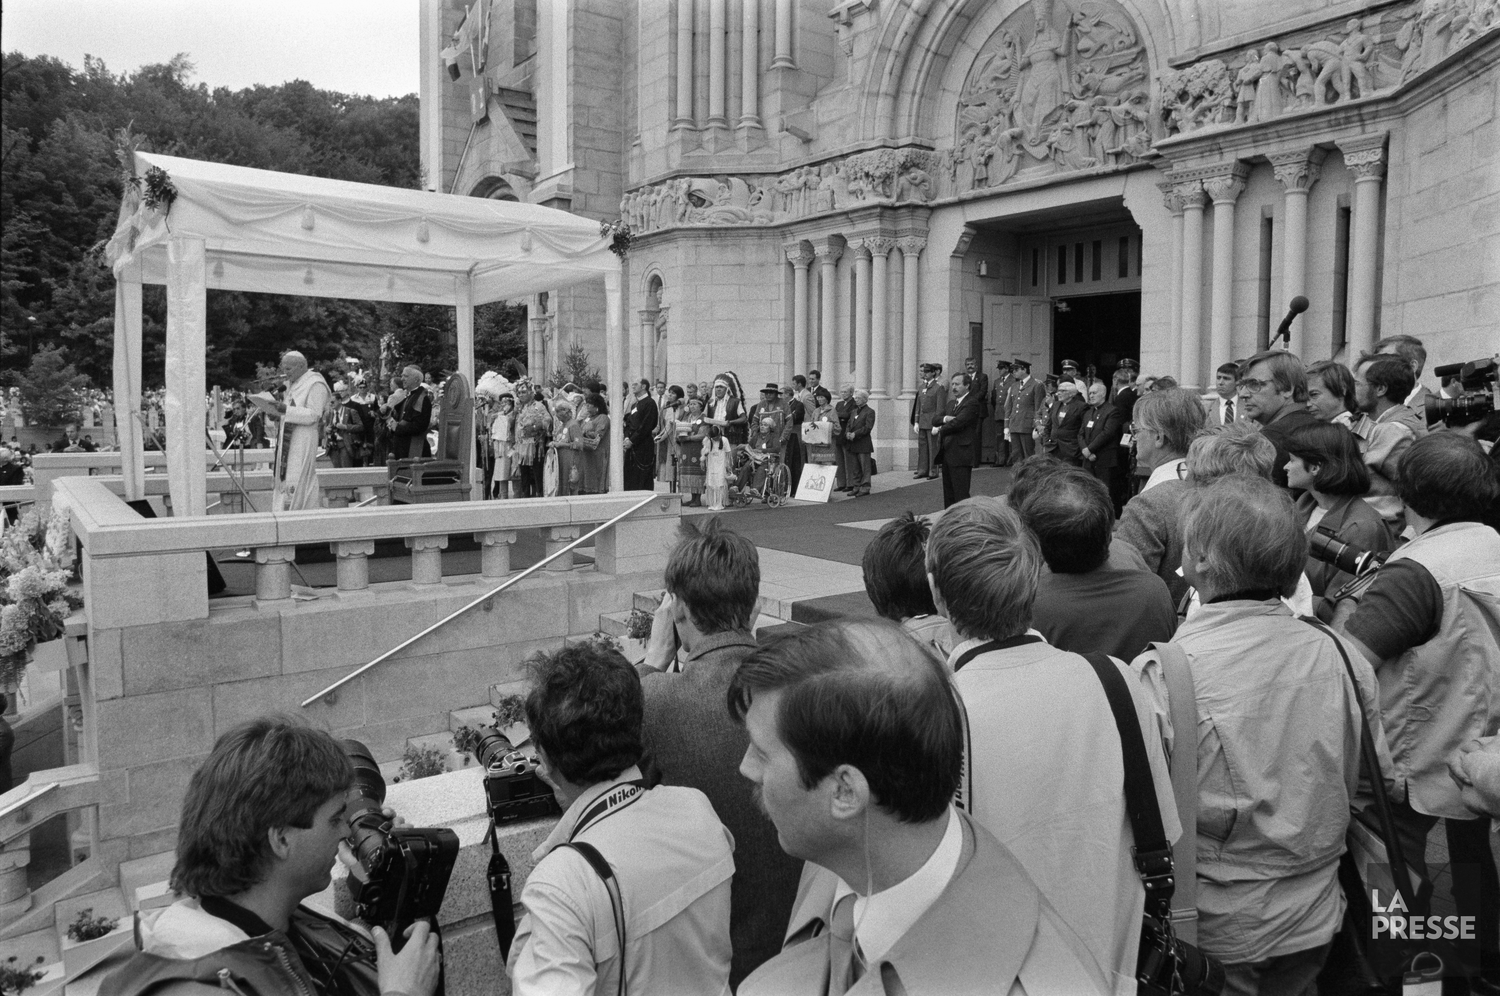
pixel 140 877
pixel 475 716
pixel 27 948
pixel 80 959
pixel 443 742
pixel 648 600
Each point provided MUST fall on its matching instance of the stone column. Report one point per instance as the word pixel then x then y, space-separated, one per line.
pixel 750 65
pixel 863 369
pixel 880 366
pixel 718 64
pixel 1193 199
pixel 799 256
pixel 426 559
pixel 539 332
pixel 353 570
pixel 494 555
pixel 1297 171
pixel 783 58
pixel 648 343
pixel 1224 190
pixel 828 250
pixel 911 248
pixel 273 572
pixel 684 118
pixel 1365 158
pixel 557 538
pixel 1174 279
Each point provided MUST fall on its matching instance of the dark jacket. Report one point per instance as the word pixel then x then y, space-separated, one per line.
pixel 859 425
pixel 640 430
pixel 1288 420
pixel 1025 400
pixel 1125 399
pixel 413 419
pixel 980 385
pixel 738 429
pixel 1063 427
pixel 1352 521
pixel 690 739
pixel 1101 431
pixel 959 435
pixel 61 446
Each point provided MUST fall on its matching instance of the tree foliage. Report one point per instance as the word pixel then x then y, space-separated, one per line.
pixel 60 196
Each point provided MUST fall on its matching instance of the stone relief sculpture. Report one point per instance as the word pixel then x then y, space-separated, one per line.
pixel 1056 88
pixel 1321 66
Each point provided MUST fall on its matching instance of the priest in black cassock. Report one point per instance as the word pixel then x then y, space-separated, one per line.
pixel 640 445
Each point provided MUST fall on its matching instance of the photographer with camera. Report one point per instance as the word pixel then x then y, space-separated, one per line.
pixel 1277 739
pixel 630 892
pixel 261 826
pixel 1325 462
pixel 1428 623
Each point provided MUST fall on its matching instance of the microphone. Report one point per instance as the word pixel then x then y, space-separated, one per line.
pixel 1295 307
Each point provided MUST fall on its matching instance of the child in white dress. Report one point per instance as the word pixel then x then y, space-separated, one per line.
pixel 716 468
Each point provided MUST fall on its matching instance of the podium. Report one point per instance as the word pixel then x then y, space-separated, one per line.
pixel 444 476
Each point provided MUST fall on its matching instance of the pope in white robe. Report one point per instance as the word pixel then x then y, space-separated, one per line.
pixel 306 402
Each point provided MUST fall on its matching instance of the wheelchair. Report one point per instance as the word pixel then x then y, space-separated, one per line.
pixel 769 472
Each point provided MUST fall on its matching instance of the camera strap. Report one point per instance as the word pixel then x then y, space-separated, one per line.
pixel 502 902
pixel 605 806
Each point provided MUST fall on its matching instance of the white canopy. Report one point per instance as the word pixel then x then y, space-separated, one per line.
pixel 240 229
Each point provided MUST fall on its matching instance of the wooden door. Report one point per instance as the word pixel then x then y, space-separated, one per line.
pixel 1018 326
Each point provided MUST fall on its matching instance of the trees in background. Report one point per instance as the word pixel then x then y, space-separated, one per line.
pixel 60 197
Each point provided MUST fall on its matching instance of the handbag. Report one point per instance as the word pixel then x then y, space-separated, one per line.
pixel 1166 964
pixel 1373 858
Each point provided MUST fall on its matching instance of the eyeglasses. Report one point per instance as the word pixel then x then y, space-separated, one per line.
pixel 1252 385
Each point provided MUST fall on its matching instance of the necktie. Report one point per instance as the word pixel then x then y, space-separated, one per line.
pixel 845 963
pixel 1228 411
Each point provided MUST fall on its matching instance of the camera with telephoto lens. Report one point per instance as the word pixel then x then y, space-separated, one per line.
pixel 513 789
pixel 1168 966
pixel 405 869
pixel 1325 545
pixel 1478 392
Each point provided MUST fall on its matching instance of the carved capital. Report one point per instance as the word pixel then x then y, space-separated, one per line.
pixel 860 248
pixel 1225 187
pixel 1190 194
pixel 828 250
pixel 879 245
pixel 911 246
pixel 496 537
pixel 1364 155
pixel 419 543
pixel 798 255
pixel 1170 197
pixel 353 548
pixel 1298 170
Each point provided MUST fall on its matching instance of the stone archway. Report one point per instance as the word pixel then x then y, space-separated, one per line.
pixel 494 188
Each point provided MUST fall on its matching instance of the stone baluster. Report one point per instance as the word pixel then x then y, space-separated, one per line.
pixel 273 572
pixel 828 250
pixel 1297 171
pixel 750 65
pixel 557 538
pixel 684 118
pixel 1193 198
pixel 353 563
pixel 15 894
pixel 1225 189
pixel 494 556
pixel 799 256
pixel 862 297
pixel 718 63
pixel 426 559
pixel 1365 158
pixel 783 58
pixel 911 249
pixel 1174 280
pixel 880 269
pixel 647 352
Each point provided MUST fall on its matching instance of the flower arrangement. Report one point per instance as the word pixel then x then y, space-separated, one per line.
pixel 87 927
pixel 638 626
pixel 18 980
pixel 420 762
pixel 619 235
pixel 36 557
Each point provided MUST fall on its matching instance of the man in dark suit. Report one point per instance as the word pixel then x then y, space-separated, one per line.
pixel 928 406
pixel 957 434
pixel 858 446
pixel 640 442
pixel 1065 422
pixel 979 382
pixel 1103 425
pixel 412 418
pixel 72 442
pixel 1126 393
pixel 713 583
pixel 1025 400
pixel 842 480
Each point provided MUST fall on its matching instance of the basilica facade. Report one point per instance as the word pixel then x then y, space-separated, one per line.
pixel 862 186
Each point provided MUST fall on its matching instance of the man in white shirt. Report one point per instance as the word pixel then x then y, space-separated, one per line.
pixel 1047 775
pixel 901 892
pixel 667 852
pixel 1221 405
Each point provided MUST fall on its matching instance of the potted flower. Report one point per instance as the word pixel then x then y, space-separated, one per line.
pixel 36 560
pixel 91 939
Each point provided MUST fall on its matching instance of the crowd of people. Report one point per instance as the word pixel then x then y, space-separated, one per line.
pixel 954 796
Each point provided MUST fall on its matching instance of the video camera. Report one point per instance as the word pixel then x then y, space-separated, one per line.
pixel 1477 397
pixel 405 869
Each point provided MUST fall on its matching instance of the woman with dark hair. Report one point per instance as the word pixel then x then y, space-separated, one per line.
pixel 689 435
pixel 595 461
pixel 1324 460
